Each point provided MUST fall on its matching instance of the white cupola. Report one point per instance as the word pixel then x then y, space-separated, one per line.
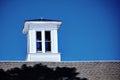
pixel 42 40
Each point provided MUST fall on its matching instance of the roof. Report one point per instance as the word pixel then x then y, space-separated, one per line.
pixel 41 19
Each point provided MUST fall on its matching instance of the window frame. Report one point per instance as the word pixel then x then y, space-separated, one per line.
pixel 39 41
pixel 48 41
pixel 43 42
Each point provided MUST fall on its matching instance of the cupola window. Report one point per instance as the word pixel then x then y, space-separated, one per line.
pixel 47 41
pixel 38 41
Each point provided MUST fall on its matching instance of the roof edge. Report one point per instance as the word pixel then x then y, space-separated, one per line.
pixel 43 20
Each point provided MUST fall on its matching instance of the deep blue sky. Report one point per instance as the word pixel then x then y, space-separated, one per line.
pixel 90 28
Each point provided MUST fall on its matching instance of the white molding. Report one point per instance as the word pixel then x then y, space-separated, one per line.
pixel 32 41
pixel 48 57
pixel 35 24
pixel 43 41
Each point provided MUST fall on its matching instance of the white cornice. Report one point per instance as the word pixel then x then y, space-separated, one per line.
pixel 56 24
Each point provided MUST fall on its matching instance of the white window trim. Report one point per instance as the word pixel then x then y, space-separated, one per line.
pixel 43 42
